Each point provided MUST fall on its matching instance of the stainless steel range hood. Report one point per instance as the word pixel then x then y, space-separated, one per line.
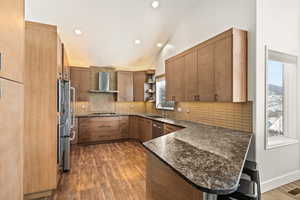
pixel 104 84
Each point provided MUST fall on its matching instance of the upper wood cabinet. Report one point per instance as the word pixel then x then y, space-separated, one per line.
pixel 59 59
pixel 66 64
pixel 215 70
pixel 11 140
pixel 125 85
pixel 206 73
pixel 80 80
pixel 12 39
pixel 40 135
pixel 191 77
pixel 139 79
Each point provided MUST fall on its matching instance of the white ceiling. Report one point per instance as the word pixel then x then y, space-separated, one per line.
pixel 110 28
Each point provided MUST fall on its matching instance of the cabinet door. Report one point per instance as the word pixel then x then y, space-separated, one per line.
pixel 125 86
pixel 206 79
pixel 223 69
pixel 124 126
pixel 170 94
pixel 191 77
pixel 66 64
pixel 134 126
pixel 139 79
pixel 12 39
pixel 11 140
pixel 80 80
pixel 179 73
pixel 59 59
pixel 98 129
pixel 40 138
pixel 147 130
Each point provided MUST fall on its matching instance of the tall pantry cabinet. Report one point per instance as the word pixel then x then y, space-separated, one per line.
pixel 43 66
pixel 11 98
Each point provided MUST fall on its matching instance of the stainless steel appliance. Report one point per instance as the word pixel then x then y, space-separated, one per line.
pixel 66 99
pixel 157 129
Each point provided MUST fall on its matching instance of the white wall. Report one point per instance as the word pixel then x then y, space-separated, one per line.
pixel 208 19
pixel 278 26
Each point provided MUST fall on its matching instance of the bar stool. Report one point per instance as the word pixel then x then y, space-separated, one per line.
pixel 249 185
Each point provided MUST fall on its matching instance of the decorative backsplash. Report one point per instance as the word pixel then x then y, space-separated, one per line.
pixel 236 116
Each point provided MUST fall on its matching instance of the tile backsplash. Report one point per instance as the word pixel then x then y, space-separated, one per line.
pixel 236 116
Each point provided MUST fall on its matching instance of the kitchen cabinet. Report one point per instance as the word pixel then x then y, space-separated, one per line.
pixel 98 129
pixel 145 129
pixel 40 135
pixel 124 126
pixel 59 59
pixel 125 86
pixel 11 139
pixel 66 64
pixel 215 70
pixel 206 73
pixel 12 40
pixel 175 79
pixel 80 80
pixel 191 77
pixel 133 127
pixel 168 128
pixel 139 79
pixel 223 69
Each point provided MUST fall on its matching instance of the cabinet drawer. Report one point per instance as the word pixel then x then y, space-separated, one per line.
pixel 98 129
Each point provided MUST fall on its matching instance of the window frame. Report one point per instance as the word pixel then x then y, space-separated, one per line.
pixel 284 140
pixel 158 79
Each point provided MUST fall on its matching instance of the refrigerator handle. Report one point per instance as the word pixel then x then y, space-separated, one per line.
pixel 73 106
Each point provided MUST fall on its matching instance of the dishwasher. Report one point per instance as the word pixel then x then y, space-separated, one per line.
pixel 157 129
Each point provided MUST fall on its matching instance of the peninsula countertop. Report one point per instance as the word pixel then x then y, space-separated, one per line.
pixel 208 157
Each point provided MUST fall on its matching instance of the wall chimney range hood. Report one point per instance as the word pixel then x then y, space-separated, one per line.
pixel 104 84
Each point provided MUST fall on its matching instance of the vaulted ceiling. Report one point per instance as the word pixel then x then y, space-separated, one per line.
pixel 110 27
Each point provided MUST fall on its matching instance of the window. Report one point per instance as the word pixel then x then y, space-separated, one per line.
pixel 161 102
pixel 281 98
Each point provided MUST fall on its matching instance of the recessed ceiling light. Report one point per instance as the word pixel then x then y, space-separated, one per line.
pixel 137 41
pixel 159 45
pixel 78 32
pixel 155 4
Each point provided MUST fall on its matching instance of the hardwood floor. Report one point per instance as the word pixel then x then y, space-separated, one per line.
pixel 281 193
pixel 105 172
pixel 116 171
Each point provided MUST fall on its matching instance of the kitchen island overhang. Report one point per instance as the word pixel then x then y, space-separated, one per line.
pixel 210 159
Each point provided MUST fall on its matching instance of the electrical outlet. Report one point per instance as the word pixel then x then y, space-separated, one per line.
pixel 188 110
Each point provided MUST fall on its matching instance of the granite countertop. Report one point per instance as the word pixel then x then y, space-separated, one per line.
pixel 210 158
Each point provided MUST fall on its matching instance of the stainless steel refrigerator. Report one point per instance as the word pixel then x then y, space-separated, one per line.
pixel 66 99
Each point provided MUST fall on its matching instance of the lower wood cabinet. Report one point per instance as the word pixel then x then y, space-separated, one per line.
pixel 96 129
pixel 124 126
pixel 146 130
pixel 101 129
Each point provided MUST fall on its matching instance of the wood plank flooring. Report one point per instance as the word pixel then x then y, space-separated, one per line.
pixel 113 171
pixel 116 171
pixel 281 193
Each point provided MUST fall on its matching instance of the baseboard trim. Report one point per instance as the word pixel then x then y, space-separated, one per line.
pixel 279 181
